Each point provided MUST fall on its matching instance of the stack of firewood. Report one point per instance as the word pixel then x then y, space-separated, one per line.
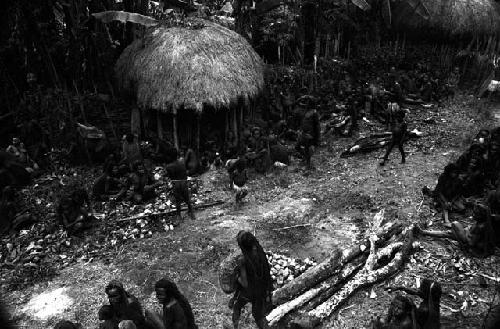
pixel 313 296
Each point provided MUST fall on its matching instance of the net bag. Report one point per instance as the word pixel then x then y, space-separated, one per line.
pixel 228 272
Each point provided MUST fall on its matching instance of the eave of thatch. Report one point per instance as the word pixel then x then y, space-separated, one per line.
pixel 181 67
pixel 450 17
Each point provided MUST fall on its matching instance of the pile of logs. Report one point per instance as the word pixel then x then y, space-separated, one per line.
pixel 316 294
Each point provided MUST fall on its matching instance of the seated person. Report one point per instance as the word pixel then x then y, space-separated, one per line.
pixel 479 239
pixel 73 211
pixel 107 184
pixel 177 312
pixel 122 306
pixel 139 186
pixel 12 214
pixel 19 151
pixel 448 191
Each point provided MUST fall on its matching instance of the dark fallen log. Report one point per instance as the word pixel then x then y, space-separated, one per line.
pixel 171 212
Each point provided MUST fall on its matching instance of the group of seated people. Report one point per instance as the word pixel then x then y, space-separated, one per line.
pixel 473 174
pixel 124 310
pixel 250 280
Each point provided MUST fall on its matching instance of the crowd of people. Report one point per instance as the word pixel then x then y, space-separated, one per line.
pixel 253 284
pixel 472 181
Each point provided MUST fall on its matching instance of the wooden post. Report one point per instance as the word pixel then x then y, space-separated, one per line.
pixel 226 125
pixel 159 125
pixel 135 122
pixel 234 111
pixel 198 120
pixel 241 115
pixel 174 128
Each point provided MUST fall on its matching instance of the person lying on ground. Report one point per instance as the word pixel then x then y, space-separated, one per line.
pixel 177 173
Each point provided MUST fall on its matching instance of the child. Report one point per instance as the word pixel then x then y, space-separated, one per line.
pixel 238 177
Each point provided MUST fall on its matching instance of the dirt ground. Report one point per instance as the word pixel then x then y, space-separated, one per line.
pixel 336 200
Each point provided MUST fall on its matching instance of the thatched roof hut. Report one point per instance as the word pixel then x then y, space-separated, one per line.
pixel 190 67
pixel 449 17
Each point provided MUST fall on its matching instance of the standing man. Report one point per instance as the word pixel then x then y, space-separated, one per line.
pixel 399 129
pixel 177 172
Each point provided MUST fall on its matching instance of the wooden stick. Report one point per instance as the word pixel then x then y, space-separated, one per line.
pixel 201 206
pixel 293 226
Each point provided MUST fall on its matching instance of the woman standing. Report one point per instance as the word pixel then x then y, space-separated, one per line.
pixel 254 281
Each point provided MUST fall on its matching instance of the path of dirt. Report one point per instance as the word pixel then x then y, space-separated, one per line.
pixel 337 199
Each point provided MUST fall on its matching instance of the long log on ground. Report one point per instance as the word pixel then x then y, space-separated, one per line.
pixel 171 212
pixel 363 279
pixel 329 267
pixel 329 285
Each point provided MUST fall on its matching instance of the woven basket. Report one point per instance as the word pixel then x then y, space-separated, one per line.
pixel 228 272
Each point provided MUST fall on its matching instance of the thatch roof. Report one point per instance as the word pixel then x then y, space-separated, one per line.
pixel 190 67
pixel 452 17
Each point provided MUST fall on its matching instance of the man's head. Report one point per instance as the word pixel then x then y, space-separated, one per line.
pixel 166 290
pixel 16 141
pixel 115 292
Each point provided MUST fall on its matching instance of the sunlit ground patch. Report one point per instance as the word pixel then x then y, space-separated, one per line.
pixel 48 304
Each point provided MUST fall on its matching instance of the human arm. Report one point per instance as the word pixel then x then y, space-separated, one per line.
pixel 242 277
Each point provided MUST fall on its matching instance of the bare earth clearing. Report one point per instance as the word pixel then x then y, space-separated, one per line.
pixel 337 199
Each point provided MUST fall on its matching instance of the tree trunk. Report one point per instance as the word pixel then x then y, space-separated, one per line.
pixel 198 120
pixel 330 266
pixel 234 113
pixel 159 125
pixel 308 21
pixel 318 294
pixel 366 277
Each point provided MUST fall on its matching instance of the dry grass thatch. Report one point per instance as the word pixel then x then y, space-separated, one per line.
pixel 454 17
pixel 179 67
